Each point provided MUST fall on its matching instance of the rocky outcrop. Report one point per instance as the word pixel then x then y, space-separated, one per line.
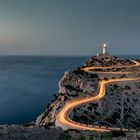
pixel 106 60
pixel 73 84
pixel 118 108
pixel 20 132
pixel 91 135
pixel 78 83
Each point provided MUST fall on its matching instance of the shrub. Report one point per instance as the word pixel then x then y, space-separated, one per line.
pixel 118 133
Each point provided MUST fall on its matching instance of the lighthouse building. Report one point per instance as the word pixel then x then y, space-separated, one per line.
pixel 104 51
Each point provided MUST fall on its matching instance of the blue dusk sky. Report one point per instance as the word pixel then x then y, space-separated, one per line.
pixel 69 27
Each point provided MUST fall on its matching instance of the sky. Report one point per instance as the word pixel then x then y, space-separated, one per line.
pixel 69 27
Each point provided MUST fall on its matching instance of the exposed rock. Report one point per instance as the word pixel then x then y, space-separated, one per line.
pixel 106 60
pixel 118 108
pixel 73 84
pixel 91 135
pixel 20 132
pixel 79 83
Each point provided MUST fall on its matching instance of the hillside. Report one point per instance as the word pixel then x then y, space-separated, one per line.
pixel 78 83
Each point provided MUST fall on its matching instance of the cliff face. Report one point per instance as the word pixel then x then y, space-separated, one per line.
pixel 73 84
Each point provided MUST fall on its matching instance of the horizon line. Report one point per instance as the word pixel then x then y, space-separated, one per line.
pixel 65 55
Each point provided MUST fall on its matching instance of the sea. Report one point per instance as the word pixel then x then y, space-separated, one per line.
pixel 28 84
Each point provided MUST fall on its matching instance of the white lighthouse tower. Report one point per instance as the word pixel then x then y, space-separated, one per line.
pixel 104 48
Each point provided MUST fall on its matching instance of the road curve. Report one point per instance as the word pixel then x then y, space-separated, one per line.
pixel 63 119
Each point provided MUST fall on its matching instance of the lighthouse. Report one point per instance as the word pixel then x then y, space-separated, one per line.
pixel 104 48
pixel 104 52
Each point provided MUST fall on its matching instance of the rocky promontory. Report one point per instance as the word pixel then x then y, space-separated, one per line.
pixel 78 83
pixel 73 84
pixel 118 108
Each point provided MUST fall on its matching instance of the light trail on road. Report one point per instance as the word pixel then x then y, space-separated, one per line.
pixel 65 122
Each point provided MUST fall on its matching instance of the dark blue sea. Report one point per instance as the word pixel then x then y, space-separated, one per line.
pixel 27 84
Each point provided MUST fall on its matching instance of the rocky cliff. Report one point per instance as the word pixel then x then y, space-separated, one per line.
pixel 31 132
pixel 78 83
pixel 119 107
pixel 106 60
pixel 73 84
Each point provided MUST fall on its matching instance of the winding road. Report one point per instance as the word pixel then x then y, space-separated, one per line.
pixel 65 122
